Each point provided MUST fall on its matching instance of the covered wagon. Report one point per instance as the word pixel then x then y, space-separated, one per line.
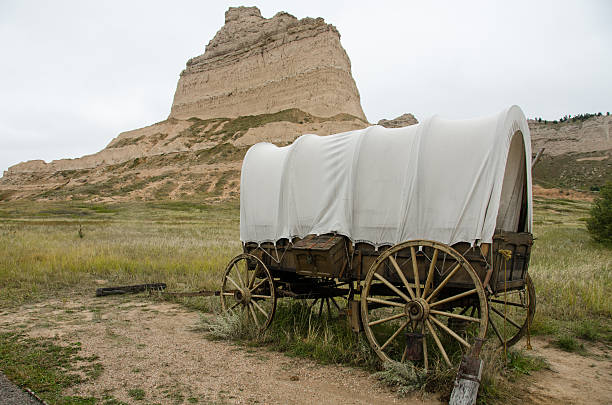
pixel 425 230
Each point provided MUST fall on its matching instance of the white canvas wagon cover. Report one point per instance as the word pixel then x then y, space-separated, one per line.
pixel 444 180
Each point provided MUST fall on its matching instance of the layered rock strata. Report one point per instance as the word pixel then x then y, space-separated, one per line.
pixel 256 65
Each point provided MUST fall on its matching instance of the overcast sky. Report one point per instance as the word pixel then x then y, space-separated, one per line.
pixel 74 74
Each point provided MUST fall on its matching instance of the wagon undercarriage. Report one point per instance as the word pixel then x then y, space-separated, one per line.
pixel 421 301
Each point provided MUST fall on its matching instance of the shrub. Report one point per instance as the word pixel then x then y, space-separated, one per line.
pixel 599 223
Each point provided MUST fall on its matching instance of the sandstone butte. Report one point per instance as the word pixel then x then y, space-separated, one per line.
pixel 262 79
pixel 259 79
pixel 255 66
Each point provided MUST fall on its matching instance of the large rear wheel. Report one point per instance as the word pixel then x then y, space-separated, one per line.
pixel 422 301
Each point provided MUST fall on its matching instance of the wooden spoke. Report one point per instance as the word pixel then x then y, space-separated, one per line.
pixel 464 310
pixel 321 307
pixel 239 276
pixel 254 315
pixel 385 302
pixel 260 296
pixel 328 308
pixel 425 360
pixel 453 298
pixel 312 304
pixel 233 282
pixel 258 285
pixel 405 353
pixel 396 316
pixel 246 274
pixel 495 330
pixel 451 315
pixel 510 321
pixel 336 304
pixel 234 306
pixel 415 270
pixel 430 273
pixel 259 308
pixel 443 283
pixel 229 294
pixel 397 332
pixel 392 287
pixel 438 343
pixel 402 277
pixel 252 280
pixel 449 331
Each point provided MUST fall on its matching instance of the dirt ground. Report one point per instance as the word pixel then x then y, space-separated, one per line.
pixel 159 348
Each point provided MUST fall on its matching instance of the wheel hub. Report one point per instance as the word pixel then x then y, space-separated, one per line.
pixel 417 309
pixel 242 297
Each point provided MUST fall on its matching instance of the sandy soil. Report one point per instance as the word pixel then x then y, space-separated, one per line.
pixel 572 378
pixel 157 347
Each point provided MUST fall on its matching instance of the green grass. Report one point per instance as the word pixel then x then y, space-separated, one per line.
pixel 46 367
pixel 137 393
pixel 569 344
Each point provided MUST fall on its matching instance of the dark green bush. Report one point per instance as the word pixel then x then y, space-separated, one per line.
pixel 599 223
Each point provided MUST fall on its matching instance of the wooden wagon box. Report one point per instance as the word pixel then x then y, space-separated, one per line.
pixel 512 273
pixel 321 256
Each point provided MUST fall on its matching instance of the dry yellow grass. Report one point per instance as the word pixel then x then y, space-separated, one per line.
pixel 41 253
pixel 571 273
pixel 187 245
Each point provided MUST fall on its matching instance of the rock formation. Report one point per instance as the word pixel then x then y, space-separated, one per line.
pixel 403 120
pixel 258 80
pixel 255 66
pixel 577 154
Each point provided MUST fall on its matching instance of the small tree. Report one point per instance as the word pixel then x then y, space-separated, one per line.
pixel 599 223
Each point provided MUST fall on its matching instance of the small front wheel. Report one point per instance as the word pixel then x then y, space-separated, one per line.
pixel 248 287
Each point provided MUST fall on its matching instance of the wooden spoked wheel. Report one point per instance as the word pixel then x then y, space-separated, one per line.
pixel 415 303
pixel 511 313
pixel 248 287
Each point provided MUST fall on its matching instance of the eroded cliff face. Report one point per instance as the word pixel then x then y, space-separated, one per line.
pixel 258 80
pixel 171 159
pixel 577 154
pixel 255 66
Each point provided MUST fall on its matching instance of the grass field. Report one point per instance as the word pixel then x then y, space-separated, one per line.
pixel 62 249
pixel 66 250
pixel 187 246
pixel 42 253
